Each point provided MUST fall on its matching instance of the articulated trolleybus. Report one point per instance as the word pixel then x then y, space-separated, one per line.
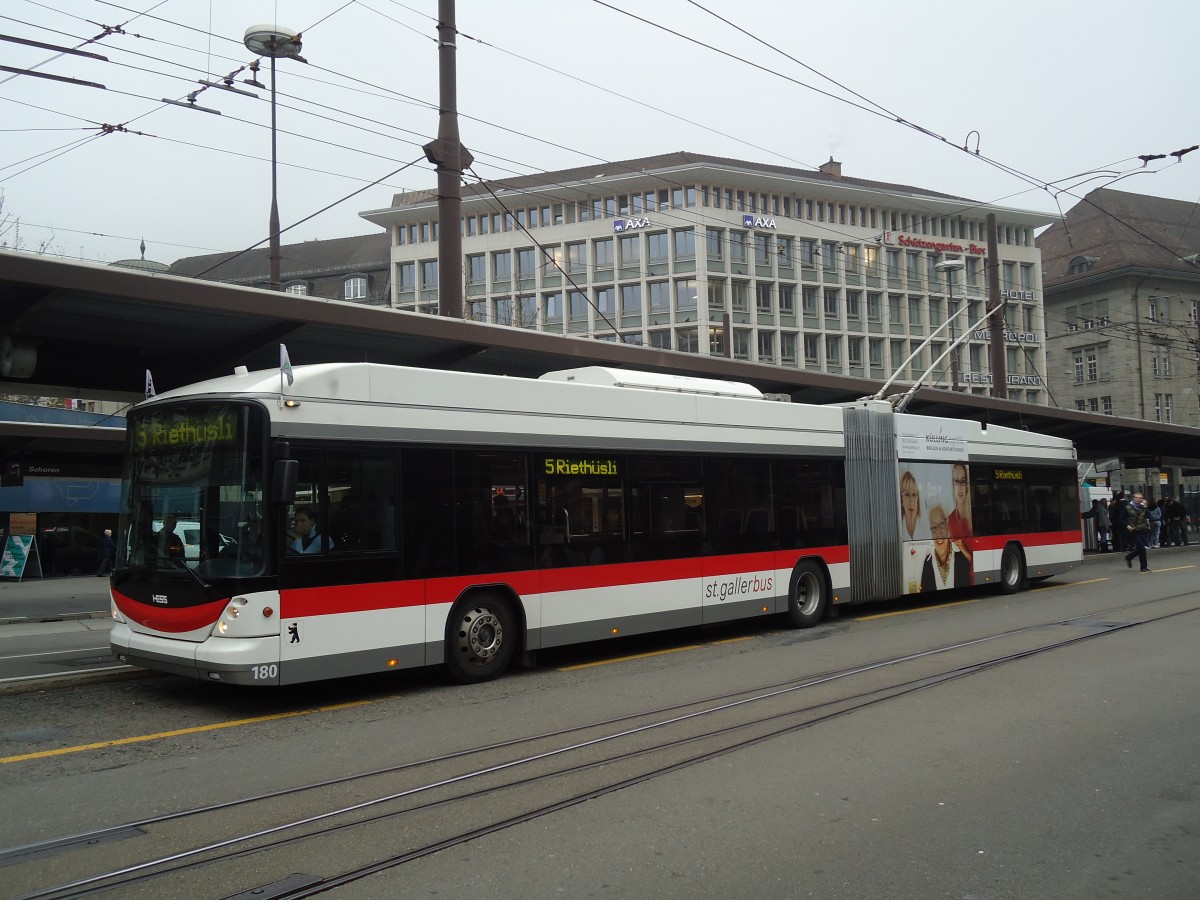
pixel 365 517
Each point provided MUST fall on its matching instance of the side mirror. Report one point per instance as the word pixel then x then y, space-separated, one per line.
pixel 283 480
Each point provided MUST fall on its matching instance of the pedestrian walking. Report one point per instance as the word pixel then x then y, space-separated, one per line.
pixel 108 552
pixel 1137 527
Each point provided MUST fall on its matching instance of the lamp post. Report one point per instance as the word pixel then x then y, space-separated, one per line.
pixel 273 41
pixel 950 266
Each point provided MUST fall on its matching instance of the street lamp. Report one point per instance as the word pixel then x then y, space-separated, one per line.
pixel 951 266
pixel 274 41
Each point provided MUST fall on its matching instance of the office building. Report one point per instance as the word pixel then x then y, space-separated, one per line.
pixel 808 269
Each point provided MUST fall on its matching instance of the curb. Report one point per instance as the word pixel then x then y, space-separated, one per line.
pixel 67 679
pixel 60 617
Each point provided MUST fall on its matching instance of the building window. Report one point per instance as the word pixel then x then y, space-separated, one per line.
pixel 853 304
pixel 762 296
pixel 914 312
pixel 552 306
pixel 502 265
pixel 660 340
pixel 658 247
pixel 787 348
pixel 429 273
pixel 766 347
pixel 787 299
pixel 833 350
pixel 737 246
pixel 504 311
pixel 687 340
pixel 812 351
pixel 685 245
pixel 893 263
pixel 762 249
pixel 606 301
pixel 741 296
pixel 809 300
pixel 355 288
pixel 854 348
pixel 631 299
pixel 526 263
pixel 298 287
pixel 576 258
pixel 603 249
pixel 831 303
pixel 875 349
pixel 875 306
pixel 972 271
pixel 660 296
pixel 828 259
pixel 741 343
pixel 525 312
pixel 784 250
pixel 714 239
pixel 406 276
pixel 1106 405
pixel 631 251
pixel 716 295
pixel 807 252
pixel 577 300
pixel 685 294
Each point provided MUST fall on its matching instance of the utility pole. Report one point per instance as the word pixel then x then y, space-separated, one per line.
pixel 450 157
pixel 996 310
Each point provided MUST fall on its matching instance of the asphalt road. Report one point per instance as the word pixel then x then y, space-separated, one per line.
pixel 1068 772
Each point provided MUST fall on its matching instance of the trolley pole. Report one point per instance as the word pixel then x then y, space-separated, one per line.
pixel 450 157
pixel 996 309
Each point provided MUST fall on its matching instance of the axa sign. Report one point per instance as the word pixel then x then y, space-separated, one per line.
pixel 749 221
pixel 629 224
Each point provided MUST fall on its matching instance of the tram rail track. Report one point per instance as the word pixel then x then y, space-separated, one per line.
pixel 603 757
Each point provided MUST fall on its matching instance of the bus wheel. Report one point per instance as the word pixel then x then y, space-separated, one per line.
pixel 1012 569
pixel 481 637
pixel 807 595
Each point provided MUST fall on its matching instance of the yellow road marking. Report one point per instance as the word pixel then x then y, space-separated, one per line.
pixel 904 612
pixel 617 659
pixel 1176 568
pixel 137 739
pixel 732 640
pixel 1055 587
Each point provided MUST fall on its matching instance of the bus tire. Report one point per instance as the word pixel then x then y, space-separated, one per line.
pixel 481 638
pixel 1012 569
pixel 808 595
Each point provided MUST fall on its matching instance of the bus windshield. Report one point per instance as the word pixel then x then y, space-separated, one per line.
pixel 192 495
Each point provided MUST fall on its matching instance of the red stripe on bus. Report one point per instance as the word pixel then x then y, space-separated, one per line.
pixel 323 601
pixel 171 621
pixel 296 603
pixel 1032 539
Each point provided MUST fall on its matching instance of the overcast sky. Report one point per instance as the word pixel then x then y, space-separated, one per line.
pixel 1055 90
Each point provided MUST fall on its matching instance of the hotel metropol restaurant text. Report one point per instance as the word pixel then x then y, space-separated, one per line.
pixel 803 268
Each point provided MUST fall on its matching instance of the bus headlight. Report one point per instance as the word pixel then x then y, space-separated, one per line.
pixel 232 611
pixel 116 613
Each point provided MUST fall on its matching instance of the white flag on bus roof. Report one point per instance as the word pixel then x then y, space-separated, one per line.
pixel 285 365
pixel 149 385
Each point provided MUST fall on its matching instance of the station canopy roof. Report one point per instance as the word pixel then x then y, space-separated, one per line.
pixel 97 329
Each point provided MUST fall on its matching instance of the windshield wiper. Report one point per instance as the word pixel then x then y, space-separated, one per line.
pixel 192 572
